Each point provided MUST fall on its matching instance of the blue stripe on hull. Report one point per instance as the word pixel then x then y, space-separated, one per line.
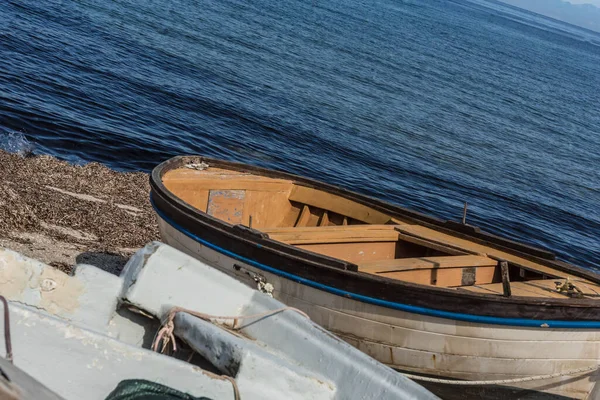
pixel 533 323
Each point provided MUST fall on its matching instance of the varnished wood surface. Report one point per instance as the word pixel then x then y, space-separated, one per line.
pixel 232 196
pixel 354 252
pixel 330 228
pixel 432 234
pixel 536 288
pixel 269 203
pixel 337 204
pixel 469 246
pixel 403 264
pixel 337 236
pixel 218 178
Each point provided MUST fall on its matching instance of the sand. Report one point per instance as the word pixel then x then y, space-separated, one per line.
pixel 63 214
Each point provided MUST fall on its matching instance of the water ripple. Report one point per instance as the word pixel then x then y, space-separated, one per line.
pixel 426 104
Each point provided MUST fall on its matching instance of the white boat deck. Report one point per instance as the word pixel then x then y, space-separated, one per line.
pixel 68 335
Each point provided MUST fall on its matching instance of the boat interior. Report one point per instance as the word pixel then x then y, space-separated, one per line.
pixel 332 225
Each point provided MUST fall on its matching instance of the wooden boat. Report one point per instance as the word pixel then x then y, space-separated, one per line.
pixel 420 294
pixel 90 336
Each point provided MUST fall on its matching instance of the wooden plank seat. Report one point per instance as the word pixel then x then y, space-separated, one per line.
pixel 424 233
pixel 333 234
pixel 329 228
pixel 358 243
pixel 216 179
pixel 445 271
pixel 405 264
pixel 337 204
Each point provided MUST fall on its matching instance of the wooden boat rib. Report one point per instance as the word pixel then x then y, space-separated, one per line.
pixel 302 233
pixel 366 240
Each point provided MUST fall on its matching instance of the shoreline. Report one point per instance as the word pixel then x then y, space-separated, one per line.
pixel 64 214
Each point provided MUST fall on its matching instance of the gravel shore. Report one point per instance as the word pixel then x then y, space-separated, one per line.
pixel 63 214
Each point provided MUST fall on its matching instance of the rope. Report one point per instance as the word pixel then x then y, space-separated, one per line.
pixel 501 381
pixel 236 390
pixel 165 334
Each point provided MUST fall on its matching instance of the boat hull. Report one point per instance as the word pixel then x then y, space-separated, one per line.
pixel 422 344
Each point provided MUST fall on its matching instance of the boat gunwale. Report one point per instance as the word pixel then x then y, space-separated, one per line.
pixel 546 257
pixel 255 238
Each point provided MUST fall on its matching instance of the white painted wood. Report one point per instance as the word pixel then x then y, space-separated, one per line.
pixel 309 362
pixel 61 336
pixel 77 363
pixel 442 347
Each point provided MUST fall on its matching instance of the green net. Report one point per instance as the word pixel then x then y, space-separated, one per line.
pixel 139 389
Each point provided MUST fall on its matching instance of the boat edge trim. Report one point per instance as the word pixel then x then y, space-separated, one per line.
pixel 481 319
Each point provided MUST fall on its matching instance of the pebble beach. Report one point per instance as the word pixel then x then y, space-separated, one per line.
pixel 64 214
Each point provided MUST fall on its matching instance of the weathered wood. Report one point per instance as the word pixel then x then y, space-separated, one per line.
pixel 534 291
pixel 396 221
pixel 291 217
pixel 268 209
pixel 226 205
pixel 194 196
pixel 448 249
pixel 403 264
pixel 446 271
pixel 356 252
pixel 338 274
pixel 184 178
pixel 520 289
pixel 483 289
pixel 315 216
pixel 588 289
pixel 505 278
pixel 468 277
pixel 190 173
pixel 329 228
pixel 304 216
pixel 337 204
pixel 336 236
pixel 228 184
pixel 444 277
pixel 469 246
pixel 406 215
pixel 324 219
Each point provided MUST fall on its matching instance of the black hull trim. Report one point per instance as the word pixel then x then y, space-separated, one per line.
pixel 306 266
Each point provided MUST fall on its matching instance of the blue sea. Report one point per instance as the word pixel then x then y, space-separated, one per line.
pixel 424 103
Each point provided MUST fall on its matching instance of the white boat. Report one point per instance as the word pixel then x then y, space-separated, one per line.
pixel 88 336
pixel 427 297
